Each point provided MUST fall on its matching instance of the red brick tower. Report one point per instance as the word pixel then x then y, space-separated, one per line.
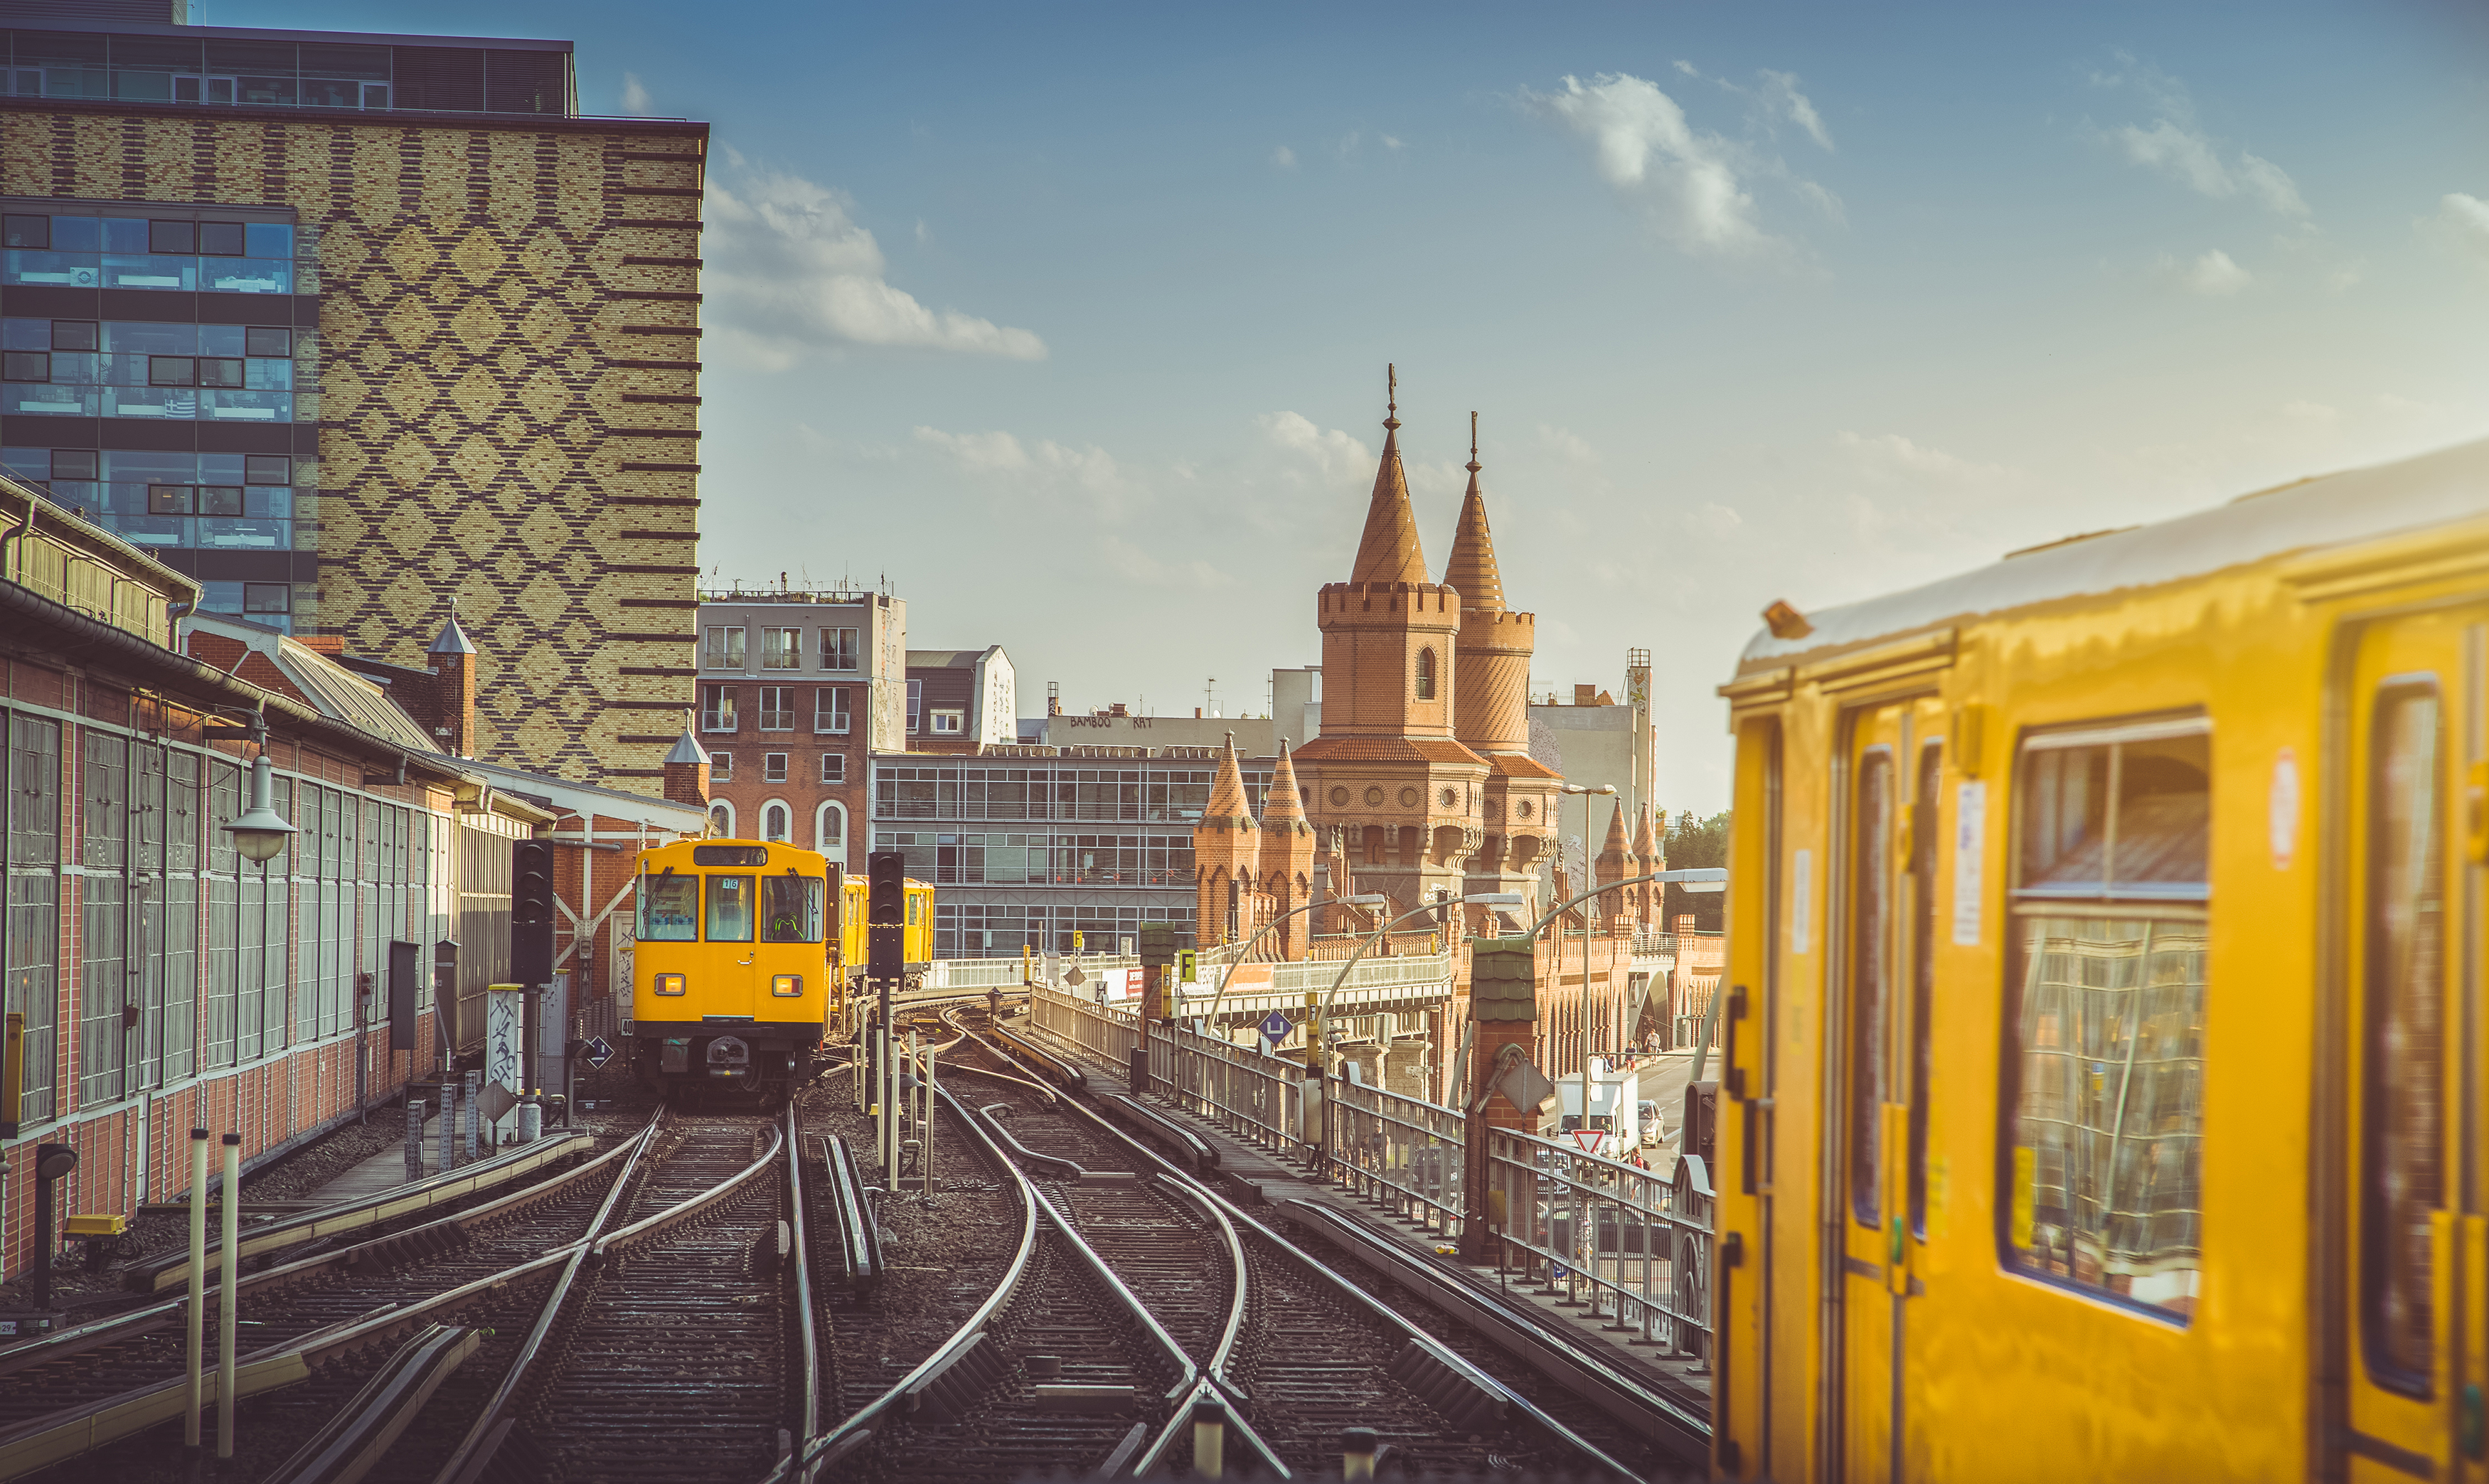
pixel 1646 898
pixel 1387 768
pixel 1287 856
pixel 453 667
pixel 1225 856
pixel 1617 862
pixel 1492 678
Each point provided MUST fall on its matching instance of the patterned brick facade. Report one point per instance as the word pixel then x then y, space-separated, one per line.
pixel 508 375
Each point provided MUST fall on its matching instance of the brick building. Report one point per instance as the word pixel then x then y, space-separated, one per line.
pixel 342 327
pixel 168 982
pixel 797 690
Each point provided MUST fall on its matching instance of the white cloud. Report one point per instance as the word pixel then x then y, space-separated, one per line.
pixel 982 453
pixel 1716 520
pixel 1644 147
pixel 1285 158
pixel 635 97
pixel 1891 455
pixel 2213 274
pixel 2461 224
pixel 1780 94
pixel 1391 143
pixel 1687 68
pixel 1087 476
pixel 1337 457
pixel 923 233
pixel 790 270
pixel 2177 146
pixel 1566 444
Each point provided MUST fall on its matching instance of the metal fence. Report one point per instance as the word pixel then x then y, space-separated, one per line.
pixel 1631 1244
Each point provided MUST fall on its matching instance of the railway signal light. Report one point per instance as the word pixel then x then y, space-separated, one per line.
pixel 531 911
pixel 1157 944
pixel 886 916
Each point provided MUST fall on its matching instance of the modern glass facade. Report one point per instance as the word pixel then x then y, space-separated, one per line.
pixel 288 70
pixel 160 373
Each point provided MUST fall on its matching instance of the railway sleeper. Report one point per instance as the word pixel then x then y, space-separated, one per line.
pixel 1469 1407
pixel 949 1393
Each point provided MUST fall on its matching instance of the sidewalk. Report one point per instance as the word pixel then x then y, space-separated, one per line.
pixel 385 1171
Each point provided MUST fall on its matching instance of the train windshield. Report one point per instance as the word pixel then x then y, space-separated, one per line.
pixel 668 909
pixel 730 909
pixel 791 909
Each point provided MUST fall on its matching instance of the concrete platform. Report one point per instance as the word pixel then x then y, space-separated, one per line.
pixel 382 1172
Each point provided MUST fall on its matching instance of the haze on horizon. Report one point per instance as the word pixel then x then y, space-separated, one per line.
pixel 1072 324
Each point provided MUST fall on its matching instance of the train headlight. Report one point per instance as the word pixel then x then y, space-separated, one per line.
pixel 786 985
pixel 669 983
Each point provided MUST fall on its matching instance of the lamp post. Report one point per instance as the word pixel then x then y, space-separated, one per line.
pixel 1317 1066
pixel 1590 879
pixel 1371 900
pixel 260 833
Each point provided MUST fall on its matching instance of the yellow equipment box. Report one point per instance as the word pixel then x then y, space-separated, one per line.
pixel 98 1226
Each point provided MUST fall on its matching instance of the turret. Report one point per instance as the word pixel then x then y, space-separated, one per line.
pixel 1225 856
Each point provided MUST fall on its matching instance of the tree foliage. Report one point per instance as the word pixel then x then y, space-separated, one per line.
pixel 1692 843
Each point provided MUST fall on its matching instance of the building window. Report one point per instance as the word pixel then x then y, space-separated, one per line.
pixel 773 767
pixel 721 820
pixel 773 821
pixel 721 767
pixel 830 831
pixel 915 704
pixel 724 647
pixel 834 767
pixel 949 723
pixel 267 598
pixel 717 706
pixel 782 648
pixel 1425 675
pixel 777 708
pixel 837 648
pixel 830 710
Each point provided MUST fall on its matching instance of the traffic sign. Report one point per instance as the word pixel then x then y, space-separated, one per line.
pixel 1074 976
pixel 1187 966
pixel 597 1052
pixel 1276 1026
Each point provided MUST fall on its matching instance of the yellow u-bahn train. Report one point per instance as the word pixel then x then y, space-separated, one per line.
pixel 2103 1052
pixel 742 960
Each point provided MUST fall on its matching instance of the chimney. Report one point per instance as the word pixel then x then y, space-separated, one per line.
pixel 1585 695
pixel 687 769
pixel 453 708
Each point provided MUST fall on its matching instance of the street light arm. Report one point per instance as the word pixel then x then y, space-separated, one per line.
pixel 1242 953
pixel 1691 873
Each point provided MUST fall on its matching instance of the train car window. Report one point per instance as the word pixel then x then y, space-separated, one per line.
pixel 2104 1078
pixel 1870 926
pixel 730 909
pixel 730 855
pixel 2403 1161
pixel 1923 974
pixel 791 909
pixel 669 909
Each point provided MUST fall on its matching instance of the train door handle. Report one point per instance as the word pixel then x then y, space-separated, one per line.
pixel 744 962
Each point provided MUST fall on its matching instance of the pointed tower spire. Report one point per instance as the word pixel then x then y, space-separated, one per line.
pixel 1285 808
pixel 1227 808
pixel 1388 551
pixel 1471 569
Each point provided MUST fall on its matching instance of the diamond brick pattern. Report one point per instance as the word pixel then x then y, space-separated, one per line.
pixel 475 366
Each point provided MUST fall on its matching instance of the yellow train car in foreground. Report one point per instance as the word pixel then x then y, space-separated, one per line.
pixel 731 974
pixel 2103 1052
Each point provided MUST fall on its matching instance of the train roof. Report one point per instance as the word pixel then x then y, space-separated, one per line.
pixel 2357 504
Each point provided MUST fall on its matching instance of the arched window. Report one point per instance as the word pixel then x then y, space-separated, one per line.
pixel 720 821
pixel 830 832
pixel 1425 675
pixel 773 820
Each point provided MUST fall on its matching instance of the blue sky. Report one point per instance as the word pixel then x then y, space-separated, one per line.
pixel 1073 319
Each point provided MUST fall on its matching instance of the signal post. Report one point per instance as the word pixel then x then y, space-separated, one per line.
pixel 1157 995
pixel 1504 1011
pixel 886 957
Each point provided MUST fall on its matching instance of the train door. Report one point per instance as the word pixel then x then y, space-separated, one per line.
pixel 1889 825
pixel 2410 1258
pixel 730 913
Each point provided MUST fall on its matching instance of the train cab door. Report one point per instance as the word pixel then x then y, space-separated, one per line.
pixel 730 910
pixel 2409 1263
pixel 1877 1072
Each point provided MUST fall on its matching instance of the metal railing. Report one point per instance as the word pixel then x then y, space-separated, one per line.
pixel 1628 1243
pixel 1255 1095
pixel 1404 1153
pixel 1106 1035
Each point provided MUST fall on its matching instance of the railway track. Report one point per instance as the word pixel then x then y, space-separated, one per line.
pixel 1138 1300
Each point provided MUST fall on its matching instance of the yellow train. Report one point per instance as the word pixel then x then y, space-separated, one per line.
pixel 2103 1062
pixel 854 952
pixel 733 977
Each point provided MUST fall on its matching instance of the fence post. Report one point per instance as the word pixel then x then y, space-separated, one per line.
pixel 1503 1004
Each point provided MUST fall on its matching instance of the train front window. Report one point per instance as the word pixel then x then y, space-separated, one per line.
pixel 791 909
pixel 2104 1074
pixel 669 909
pixel 730 909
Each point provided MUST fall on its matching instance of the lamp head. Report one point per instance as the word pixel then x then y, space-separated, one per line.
pixel 260 833
pixel 1369 900
pixel 1496 899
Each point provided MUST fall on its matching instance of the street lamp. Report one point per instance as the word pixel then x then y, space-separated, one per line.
pixel 1317 1069
pixel 260 833
pixel 1693 878
pixel 1370 899
pixel 1590 878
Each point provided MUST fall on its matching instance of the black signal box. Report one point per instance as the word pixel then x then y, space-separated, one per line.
pixel 1157 944
pixel 531 911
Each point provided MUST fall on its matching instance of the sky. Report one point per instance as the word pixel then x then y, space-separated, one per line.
pixel 1070 323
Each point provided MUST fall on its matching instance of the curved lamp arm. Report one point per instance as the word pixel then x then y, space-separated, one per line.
pixel 1240 954
pixel 1322 1015
pixel 1683 878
